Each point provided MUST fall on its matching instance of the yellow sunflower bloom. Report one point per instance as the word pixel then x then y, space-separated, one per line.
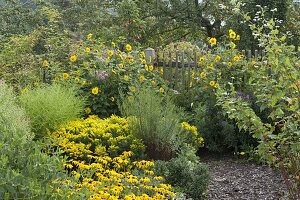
pixel 73 58
pixel 89 36
pixel 161 90
pixel 110 53
pixel 218 58
pixel 66 75
pixel 213 41
pixel 45 63
pixel 95 90
pixel 128 47
pixel 88 50
pixel 212 83
pixel 202 74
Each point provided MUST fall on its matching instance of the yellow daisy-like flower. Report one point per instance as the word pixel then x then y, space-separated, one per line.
pixel 236 58
pixel 142 78
pixel 110 52
pixel 121 66
pixel 89 36
pixel 201 59
pixel 146 67
pixel 232 34
pixel 76 79
pixel 153 82
pixel 73 58
pixel 88 110
pixel 202 75
pixel 151 67
pixel 126 78
pixel 238 37
pixel 218 58
pixel 212 83
pixel 128 47
pixel 213 41
pixel 95 90
pixel 161 90
pixel 88 50
pixel 66 75
pixel 45 63
pixel 229 64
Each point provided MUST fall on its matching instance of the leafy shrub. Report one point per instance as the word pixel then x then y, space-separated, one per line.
pixel 274 84
pixel 156 120
pixel 105 158
pixel 51 105
pixel 25 172
pixel 185 173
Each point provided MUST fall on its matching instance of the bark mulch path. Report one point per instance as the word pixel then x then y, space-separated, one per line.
pixel 241 180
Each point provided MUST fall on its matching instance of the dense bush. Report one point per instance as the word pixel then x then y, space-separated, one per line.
pixel 51 105
pixel 185 173
pixel 155 119
pixel 106 159
pixel 25 172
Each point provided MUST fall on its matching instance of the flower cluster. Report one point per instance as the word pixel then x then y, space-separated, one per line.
pixel 105 160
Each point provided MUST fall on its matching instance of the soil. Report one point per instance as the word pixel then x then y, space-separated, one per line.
pixel 237 179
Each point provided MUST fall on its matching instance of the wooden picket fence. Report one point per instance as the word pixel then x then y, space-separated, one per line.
pixel 178 71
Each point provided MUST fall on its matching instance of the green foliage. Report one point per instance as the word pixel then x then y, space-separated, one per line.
pixel 156 120
pixel 25 172
pixel 274 84
pixel 51 105
pixel 186 173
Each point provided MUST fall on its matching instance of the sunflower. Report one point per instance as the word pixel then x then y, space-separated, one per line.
pixel 128 47
pixel 212 83
pixel 218 58
pixel 202 74
pixel 89 36
pixel 213 41
pixel 95 90
pixel 45 63
pixel 73 58
pixel 232 34
pixel 110 53
pixel 161 90
pixel 66 75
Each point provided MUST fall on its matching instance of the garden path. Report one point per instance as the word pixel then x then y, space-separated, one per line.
pixel 235 179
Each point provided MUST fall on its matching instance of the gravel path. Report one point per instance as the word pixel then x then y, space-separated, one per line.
pixel 233 179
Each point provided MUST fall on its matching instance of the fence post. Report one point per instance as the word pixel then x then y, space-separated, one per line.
pixel 149 55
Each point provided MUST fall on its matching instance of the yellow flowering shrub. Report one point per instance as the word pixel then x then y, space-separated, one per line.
pixel 105 160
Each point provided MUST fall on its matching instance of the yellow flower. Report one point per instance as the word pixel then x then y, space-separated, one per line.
pixel 201 59
pixel 142 78
pixel 153 82
pixel 232 34
pixel 202 74
pixel 229 64
pixel 77 79
pixel 151 67
pixel 95 90
pixel 238 37
pixel 130 98
pixel 73 58
pixel 126 78
pixel 110 52
pixel 242 153
pixel 191 84
pixel 161 90
pixel 200 139
pixel 161 70
pixel 236 58
pixel 218 58
pixel 88 110
pixel 213 41
pixel 146 67
pixel 45 63
pixel 114 44
pixel 89 36
pixel 212 83
pixel 88 50
pixel 121 66
pixel 66 75
pixel 128 47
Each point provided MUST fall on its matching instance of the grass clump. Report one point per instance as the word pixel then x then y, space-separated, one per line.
pixel 49 106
